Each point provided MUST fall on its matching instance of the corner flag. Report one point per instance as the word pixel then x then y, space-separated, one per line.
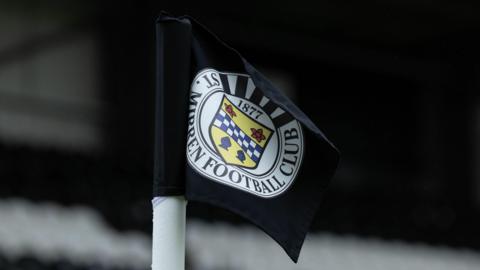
pixel 228 137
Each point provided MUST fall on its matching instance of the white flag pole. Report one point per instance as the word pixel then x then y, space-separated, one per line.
pixel 168 245
pixel 173 46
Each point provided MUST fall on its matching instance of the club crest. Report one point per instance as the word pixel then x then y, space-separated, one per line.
pixel 238 137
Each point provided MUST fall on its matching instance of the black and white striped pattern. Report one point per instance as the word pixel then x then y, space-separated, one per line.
pixel 242 86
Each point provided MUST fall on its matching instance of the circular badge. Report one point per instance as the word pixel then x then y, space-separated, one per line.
pixel 238 137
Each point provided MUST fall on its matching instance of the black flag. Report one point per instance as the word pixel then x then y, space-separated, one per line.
pixel 226 136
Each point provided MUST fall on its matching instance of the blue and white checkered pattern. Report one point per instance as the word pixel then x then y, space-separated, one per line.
pixel 225 123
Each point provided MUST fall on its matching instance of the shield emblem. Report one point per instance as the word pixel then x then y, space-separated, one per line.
pixel 239 139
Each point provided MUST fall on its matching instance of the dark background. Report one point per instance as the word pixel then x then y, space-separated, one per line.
pixel 394 85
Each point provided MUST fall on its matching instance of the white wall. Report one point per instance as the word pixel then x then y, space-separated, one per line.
pixel 79 234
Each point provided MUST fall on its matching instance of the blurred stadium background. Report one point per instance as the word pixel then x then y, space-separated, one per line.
pixel 394 84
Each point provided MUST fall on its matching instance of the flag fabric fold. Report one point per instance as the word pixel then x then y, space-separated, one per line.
pixel 243 145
